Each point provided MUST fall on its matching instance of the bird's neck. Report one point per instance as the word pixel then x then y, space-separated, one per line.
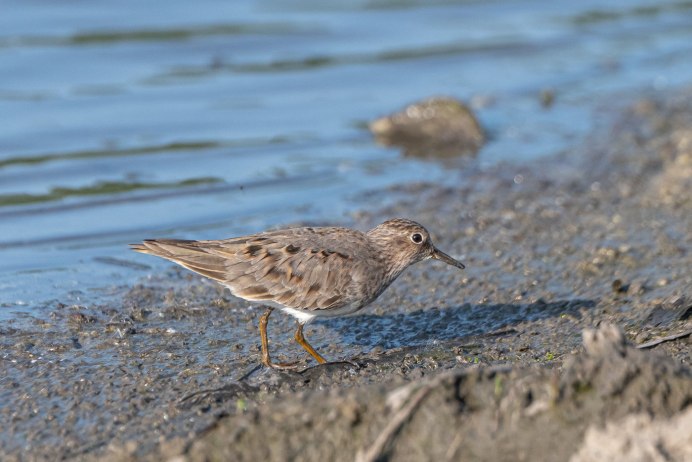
pixel 391 259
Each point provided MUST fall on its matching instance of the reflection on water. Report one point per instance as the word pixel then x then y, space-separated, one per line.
pixel 125 120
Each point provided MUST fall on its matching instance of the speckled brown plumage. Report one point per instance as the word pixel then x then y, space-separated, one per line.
pixel 307 272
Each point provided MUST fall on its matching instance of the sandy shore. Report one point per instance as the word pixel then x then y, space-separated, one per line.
pixel 489 364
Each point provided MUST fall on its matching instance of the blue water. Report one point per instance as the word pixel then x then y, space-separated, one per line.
pixel 125 120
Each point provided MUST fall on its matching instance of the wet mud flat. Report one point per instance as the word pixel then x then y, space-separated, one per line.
pixel 530 354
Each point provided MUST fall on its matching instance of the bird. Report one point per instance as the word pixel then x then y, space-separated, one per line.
pixel 307 272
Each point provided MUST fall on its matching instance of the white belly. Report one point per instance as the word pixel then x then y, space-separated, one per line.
pixel 305 317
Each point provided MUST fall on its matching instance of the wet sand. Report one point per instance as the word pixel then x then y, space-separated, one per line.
pixel 485 364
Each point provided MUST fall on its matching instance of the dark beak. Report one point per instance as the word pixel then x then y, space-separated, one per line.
pixel 439 255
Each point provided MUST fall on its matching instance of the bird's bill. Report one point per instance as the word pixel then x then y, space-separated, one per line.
pixel 439 255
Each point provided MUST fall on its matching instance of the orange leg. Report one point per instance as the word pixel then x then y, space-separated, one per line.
pixel 264 320
pixel 304 343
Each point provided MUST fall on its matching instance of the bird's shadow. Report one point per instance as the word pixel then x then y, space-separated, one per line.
pixel 395 330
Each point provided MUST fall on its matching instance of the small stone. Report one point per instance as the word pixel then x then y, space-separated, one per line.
pixel 436 127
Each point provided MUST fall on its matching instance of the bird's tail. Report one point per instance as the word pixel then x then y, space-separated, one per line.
pixel 188 254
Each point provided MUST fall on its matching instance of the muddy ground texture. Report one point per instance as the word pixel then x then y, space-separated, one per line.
pixel 529 354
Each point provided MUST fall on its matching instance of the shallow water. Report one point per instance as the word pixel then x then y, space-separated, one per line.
pixel 126 120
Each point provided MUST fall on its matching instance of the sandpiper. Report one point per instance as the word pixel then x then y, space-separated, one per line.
pixel 305 272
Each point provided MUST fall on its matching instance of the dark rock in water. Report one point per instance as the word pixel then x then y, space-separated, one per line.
pixel 436 127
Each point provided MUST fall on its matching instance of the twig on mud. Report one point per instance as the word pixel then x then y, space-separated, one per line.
pixel 668 338
pixel 405 405
pixel 231 389
pixel 249 373
pixel 375 451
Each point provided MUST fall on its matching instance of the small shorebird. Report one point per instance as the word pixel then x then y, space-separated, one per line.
pixel 306 272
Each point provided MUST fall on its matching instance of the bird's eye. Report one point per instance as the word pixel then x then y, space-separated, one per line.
pixel 417 238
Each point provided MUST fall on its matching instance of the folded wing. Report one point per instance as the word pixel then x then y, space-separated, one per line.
pixel 303 268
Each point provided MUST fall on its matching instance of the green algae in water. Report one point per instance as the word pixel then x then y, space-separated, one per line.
pixel 100 188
